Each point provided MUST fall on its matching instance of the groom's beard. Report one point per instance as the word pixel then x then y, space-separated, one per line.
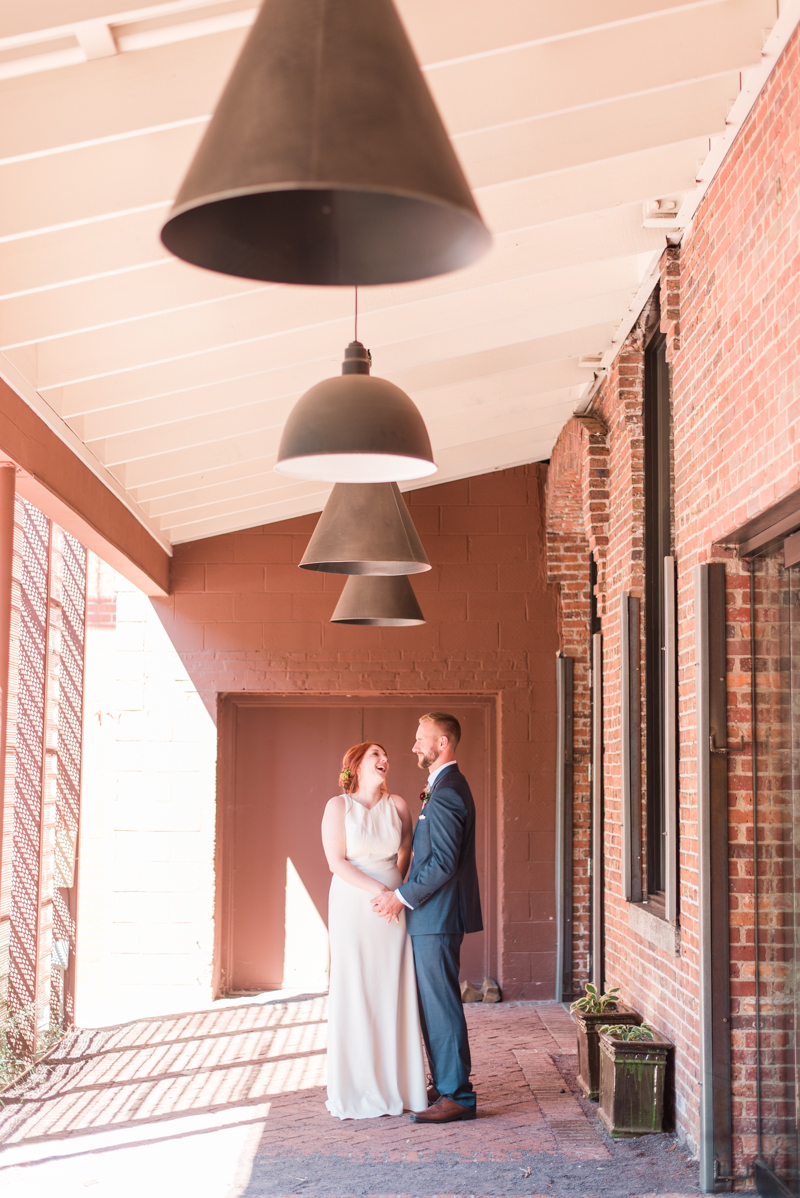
pixel 427 761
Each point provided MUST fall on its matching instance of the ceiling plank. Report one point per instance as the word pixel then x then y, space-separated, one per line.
pixel 509 356
pixel 584 135
pixel 94 182
pixel 119 244
pixel 228 398
pixel 600 185
pixel 115 97
pixel 176 286
pixel 567 119
pixel 601 64
pixel 240 420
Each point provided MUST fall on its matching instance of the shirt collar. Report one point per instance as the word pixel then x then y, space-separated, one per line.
pixel 435 773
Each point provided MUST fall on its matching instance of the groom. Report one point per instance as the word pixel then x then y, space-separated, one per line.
pixel 443 903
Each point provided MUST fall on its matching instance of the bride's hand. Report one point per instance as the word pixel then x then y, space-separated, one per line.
pixel 387 905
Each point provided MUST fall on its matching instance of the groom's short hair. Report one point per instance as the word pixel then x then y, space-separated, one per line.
pixel 447 724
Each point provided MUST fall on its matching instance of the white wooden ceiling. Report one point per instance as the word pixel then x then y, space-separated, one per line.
pixel 571 119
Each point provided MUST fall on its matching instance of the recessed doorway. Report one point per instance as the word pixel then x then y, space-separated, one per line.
pixel 279 764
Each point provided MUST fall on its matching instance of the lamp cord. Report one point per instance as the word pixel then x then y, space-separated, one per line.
pixel 355 338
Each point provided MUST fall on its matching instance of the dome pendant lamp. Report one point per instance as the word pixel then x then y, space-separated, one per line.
pixel 326 161
pixel 383 602
pixel 355 429
pixel 365 529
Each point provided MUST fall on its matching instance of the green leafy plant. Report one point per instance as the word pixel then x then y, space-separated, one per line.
pixel 628 1031
pixel 13 1057
pixel 15 1034
pixel 593 1003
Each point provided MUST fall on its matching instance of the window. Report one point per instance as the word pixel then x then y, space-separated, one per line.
pixel 659 636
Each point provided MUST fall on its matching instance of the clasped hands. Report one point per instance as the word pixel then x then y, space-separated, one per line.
pixel 387 905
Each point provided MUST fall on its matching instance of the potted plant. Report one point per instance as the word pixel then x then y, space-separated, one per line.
pixel 590 1011
pixel 633 1066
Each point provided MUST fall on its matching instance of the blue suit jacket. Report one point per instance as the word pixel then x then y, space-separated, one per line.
pixel 442 885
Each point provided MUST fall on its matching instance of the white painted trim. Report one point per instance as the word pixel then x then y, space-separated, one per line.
pixel 124 17
pixel 751 89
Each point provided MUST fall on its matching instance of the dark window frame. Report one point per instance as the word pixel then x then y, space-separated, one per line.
pixel 657 422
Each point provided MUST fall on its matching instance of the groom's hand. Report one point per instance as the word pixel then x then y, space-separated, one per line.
pixel 387 905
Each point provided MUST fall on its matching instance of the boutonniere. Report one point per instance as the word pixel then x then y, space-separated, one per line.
pixel 426 794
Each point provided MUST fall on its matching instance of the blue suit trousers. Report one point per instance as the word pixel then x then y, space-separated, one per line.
pixel 444 1029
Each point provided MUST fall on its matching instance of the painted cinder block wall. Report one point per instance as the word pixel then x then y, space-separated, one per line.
pixel 146 859
pixel 730 313
pixel 244 617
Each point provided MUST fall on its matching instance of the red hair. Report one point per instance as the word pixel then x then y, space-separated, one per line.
pixel 351 764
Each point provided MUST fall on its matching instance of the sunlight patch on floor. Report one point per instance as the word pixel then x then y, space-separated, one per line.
pixel 207 1155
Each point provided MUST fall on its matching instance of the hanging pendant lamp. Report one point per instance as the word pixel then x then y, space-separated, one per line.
pixel 326 161
pixel 377 601
pixel 365 529
pixel 355 429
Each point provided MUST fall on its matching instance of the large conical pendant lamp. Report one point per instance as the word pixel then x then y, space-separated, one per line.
pixel 377 600
pixel 365 529
pixel 326 161
pixel 356 429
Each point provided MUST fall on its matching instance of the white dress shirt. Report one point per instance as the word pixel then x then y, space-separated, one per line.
pixel 432 776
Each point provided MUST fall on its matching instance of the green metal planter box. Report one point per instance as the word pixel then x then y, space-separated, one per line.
pixel 586 1026
pixel 632 1074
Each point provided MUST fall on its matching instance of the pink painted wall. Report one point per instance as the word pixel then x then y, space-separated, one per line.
pixel 245 618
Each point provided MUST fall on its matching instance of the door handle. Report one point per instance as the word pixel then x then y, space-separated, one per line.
pixel 721 752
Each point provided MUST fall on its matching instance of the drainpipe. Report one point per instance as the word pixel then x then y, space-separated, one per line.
pixel 704 876
pixel 756 932
pixel 713 882
pixel 564 768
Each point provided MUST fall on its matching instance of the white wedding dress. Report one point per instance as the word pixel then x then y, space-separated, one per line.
pixel 375 1064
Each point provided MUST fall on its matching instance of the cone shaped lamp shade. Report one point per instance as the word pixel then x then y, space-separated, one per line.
pixel 380 601
pixel 355 429
pixel 326 161
pixel 365 529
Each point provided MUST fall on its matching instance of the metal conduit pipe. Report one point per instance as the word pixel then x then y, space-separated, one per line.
pixel 756 935
pixel 564 799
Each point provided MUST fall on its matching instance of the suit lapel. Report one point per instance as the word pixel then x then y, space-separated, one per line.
pixel 447 772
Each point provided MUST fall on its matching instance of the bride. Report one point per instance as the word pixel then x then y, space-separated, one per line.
pixel 375 1062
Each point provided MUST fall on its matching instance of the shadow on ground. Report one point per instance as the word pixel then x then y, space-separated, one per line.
pixel 229 1103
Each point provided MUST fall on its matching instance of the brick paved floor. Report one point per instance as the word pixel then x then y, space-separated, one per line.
pixel 229 1103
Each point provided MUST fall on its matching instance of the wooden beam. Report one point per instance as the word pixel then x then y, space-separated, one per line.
pixel 66 490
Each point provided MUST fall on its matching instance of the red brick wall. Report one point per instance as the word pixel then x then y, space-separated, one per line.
pixel 729 311
pixel 736 451
pixel 568 570
pixel 611 487
pixel 244 617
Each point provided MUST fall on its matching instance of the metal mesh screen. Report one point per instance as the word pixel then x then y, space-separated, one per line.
pixel 27 841
pixel 68 774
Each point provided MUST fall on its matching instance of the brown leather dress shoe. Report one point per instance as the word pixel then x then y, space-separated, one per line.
pixel 444 1110
pixel 433 1094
